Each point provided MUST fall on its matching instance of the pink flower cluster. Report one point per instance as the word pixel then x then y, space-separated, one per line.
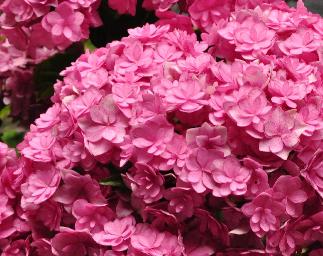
pixel 163 145
pixel 32 31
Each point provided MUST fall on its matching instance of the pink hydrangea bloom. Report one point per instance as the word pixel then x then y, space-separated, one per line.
pixel 251 107
pixel 300 42
pixel 182 201
pixel 251 37
pixel 71 242
pixel 206 136
pixel 312 172
pixel 291 191
pixel 65 23
pixel 145 182
pixel 228 177
pixel 117 233
pixel 41 185
pixel 282 131
pixel 105 125
pixel 128 6
pixel 264 213
pixel 90 217
pixel 154 146
pixel 149 241
pixel 153 135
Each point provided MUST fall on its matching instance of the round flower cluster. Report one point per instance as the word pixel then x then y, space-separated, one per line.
pixel 32 31
pixel 163 145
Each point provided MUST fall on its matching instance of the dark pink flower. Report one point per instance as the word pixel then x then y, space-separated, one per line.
pixel 117 233
pixel 41 185
pixel 149 241
pixel 264 213
pixel 145 182
pixel 90 217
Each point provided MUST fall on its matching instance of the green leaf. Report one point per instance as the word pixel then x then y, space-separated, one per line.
pixel 88 45
pixel 4 112
pixel 112 183
pixel 12 137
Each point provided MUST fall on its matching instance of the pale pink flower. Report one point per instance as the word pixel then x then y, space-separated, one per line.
pixel 206 136
pixel 186 96
pixel 40 146
pixel 287 92
pixel 165 52
pixel 282 130
pixel 264 213
pixel 251 37
pixel 198 169
pixel 117 233
pixel 135 58
pixel 251 107
pixel 300 42
pixel 65 23
pixel 148 32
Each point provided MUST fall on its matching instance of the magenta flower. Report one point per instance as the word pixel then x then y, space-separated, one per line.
pixel 300 42
pixel 71 242
pixel 90 217
pixel 128 6
pixel 65 23
pixel 149 241
pixel 153 135
pixel 282 131
pixel 41 185
pixel 287 92
pixel 182 201
pixel 313 172
pixel 264 213
pixel 116 233
pixel 145 182
pixel 229 177
pixel 105 125
pixel 251 107
pixel 291 192
pixel 186 96
pixel 206 136
pixel 76 187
